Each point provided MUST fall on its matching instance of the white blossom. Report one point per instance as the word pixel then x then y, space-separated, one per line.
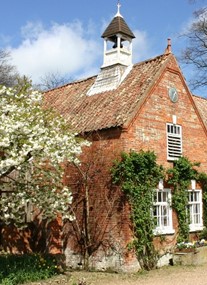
pixel 32 139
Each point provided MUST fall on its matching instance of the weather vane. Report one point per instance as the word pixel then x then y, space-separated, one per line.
pixel 119 6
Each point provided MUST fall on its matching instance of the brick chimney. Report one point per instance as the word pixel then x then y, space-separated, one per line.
pixel 168 48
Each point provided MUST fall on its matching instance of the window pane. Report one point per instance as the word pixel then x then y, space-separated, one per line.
pixel 161 210
pixel 165 221
pixel 155 211
pixel 196 196
pixel 190 208
pixel 190 196
pixel 195 207
pixel 159 196
pixel 165 196
pixel 197 219
pixel 155 197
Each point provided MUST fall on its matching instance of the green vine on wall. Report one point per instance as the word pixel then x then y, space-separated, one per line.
pixel 202 178
pixel 180 177
pixel 138 175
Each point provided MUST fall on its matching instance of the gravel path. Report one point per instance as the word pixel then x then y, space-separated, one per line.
pixel 174 275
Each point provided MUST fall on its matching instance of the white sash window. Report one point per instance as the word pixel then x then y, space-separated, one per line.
pixel 195 209
pixel 162 212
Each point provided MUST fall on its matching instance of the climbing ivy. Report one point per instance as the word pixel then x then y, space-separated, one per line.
pixel 138 175
pixel 180 177
pixel 202 178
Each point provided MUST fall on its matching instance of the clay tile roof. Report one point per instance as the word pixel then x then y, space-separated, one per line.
pixel 117 25
pixel 115 108
pixel 201 104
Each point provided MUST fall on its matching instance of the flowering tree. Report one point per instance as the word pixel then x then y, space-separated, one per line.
pixel 34 143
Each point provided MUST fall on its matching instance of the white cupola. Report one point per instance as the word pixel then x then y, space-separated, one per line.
pixel 117 58
pixel 117 42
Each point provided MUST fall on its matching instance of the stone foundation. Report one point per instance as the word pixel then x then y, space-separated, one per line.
pixel 103 262
pixel 197 257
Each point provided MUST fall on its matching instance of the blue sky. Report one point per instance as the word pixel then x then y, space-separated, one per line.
pixel 64 36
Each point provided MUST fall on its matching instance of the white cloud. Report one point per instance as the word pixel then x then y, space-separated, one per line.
pixel 66 49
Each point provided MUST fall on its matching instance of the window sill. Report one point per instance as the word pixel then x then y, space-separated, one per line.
pixel 158 232
pixel 196 228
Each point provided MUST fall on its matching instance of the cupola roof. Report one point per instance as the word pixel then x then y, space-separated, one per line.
pixel 118 25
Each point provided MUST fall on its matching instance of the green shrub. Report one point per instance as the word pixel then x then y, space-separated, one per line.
pixel 203 234
pixel 18 269
pixel 138 175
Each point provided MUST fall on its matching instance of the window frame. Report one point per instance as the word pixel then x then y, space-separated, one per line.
pixel 162 229
pixel 192 225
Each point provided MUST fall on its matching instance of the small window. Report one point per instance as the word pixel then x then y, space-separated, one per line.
pixel 195 210
pixel 162 212
pixel 174 142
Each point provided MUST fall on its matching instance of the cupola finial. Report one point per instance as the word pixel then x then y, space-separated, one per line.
pixel 118 14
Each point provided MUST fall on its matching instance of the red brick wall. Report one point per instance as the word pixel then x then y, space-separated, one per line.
pixel 109 213
pixel 148 132
pixel 109 210
pixel 15 241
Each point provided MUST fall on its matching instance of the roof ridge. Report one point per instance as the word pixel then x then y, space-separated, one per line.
pixel 152 59
pixel 93 76
pixel 199 97
pixel 71 83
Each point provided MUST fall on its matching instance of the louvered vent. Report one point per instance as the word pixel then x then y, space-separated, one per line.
pixel 174 142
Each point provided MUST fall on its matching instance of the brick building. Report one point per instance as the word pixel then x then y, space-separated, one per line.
pixel 142 106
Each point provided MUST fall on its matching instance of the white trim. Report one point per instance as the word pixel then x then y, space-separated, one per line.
pixel 161 186
pixel 194 228
pixel 118 14
pixel 193 184
pixel 160 231
pixel 174 119
pixel 161 206
pixel 196 210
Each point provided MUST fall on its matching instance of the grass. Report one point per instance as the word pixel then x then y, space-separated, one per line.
pixel 18 269
pixel 21 269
